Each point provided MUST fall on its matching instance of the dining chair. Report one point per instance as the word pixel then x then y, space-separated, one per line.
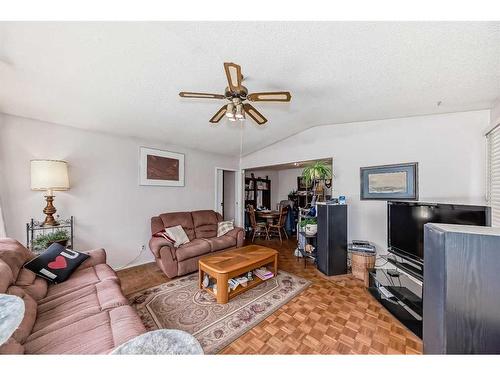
pixel 279 226
pixel 258 228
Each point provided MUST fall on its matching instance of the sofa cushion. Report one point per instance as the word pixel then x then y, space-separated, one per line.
pixel 35 286
pixel 11 346
pixel 79 304
pixel 14 255
pixel 192 249
pixel 183 219
pixel 81 278
pixel 6 277
pixel 56 263
pixel 205 223
pixel 30 314
pixel 96 334
pixel 220 243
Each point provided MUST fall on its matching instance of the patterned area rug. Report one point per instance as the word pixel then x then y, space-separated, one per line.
pixel 179 304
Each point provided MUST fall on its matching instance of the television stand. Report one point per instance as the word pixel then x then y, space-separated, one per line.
pixel 405 266
pixel 400 295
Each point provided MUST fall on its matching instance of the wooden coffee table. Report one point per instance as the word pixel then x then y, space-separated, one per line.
pixel 232 263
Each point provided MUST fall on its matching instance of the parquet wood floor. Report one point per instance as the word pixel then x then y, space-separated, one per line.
pixel 335 315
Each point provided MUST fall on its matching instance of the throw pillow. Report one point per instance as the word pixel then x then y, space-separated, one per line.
pixel 177 234
pixel 163 234
pixel 223 227
pixel 56 264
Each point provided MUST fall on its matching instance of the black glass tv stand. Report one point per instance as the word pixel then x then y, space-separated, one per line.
pixel 399 294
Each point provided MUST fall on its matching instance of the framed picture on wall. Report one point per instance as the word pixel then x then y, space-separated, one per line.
pixel 385 182
pixel 160 168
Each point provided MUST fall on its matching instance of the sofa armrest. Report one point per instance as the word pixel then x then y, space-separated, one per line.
pixel 97 256
pixel 237 233
pixel 157 243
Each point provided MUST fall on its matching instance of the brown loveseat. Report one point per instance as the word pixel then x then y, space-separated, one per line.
pixel 86 314
pixel 201 228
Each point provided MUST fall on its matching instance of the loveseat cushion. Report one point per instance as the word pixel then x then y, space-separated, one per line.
pixel 192 249
pixel 184 219
pixel 220 243
pixel 79 304
pixel 96 334
pixel 205 223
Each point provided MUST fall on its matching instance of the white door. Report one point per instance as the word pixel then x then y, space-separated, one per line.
pixel 229 195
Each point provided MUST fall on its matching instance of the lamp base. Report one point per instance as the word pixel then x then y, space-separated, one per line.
pixel 49 211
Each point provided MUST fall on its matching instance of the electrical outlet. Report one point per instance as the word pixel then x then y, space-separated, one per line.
pixel 142 248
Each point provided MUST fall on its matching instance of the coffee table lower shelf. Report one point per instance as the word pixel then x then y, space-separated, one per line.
pixel 240 289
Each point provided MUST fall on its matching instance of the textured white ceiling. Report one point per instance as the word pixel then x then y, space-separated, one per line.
pixel 124 78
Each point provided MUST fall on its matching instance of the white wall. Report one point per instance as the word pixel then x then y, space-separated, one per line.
pixel 288 181
pixel 111 210
pixel 450 149
pixel 495 113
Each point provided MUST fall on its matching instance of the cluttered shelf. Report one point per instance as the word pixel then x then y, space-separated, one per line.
pixel 241 283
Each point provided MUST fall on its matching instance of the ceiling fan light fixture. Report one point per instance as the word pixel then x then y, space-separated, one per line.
pixel 239 113
pixel 230 110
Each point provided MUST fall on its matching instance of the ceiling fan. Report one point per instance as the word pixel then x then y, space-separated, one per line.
pixel 237 95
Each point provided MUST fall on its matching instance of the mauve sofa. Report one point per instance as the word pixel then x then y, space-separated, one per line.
pixel 86 314
pixel 201 229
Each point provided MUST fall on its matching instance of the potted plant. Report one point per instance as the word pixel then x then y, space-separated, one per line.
pixel 309 226
pixel 45 240
pixel 319 171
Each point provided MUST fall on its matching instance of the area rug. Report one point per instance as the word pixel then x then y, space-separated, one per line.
pixel 179 304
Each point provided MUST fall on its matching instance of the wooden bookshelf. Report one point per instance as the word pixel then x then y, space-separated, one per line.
pixel 257 186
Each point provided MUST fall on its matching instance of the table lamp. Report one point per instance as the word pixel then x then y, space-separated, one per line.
pixel 49 175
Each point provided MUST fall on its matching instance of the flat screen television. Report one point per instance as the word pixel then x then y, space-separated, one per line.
pixel 406 220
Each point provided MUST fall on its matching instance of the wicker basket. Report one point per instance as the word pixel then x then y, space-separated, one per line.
pixel 361 264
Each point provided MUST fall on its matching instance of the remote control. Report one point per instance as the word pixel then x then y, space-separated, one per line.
pixel 385 292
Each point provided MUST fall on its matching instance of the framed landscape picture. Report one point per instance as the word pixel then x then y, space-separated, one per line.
pixel 160 168
pixel 386 182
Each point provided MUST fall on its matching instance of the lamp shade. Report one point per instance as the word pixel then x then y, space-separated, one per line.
pixel 49 175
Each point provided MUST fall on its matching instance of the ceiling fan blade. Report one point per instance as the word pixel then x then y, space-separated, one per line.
pixel 218 115
pixel 234 78
pixel 254 114
pixel 200 95
pixel 278 96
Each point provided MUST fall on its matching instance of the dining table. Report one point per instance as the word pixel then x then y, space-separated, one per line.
pixel 268 215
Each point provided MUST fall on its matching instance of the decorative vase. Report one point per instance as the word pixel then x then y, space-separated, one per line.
pixel 311 229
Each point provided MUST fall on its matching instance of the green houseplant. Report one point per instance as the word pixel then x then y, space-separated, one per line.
pixel 309 226
pixel 315 173
pixel 45 240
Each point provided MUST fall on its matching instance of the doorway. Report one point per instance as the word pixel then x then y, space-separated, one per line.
pixel 226 193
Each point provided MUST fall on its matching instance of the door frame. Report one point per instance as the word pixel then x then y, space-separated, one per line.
pixel 237 189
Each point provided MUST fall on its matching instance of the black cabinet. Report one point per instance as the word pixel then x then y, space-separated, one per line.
pixel 332 239
pixel 461 289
